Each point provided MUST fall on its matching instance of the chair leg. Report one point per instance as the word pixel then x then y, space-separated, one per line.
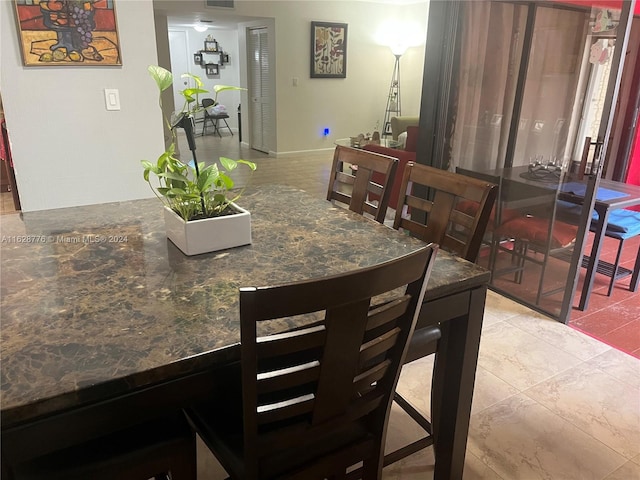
pixel 417 445
pixel 635 277
pixel 520 250
pixel 228 127
pixel 614 272
pixel 185 464
pixel 493 250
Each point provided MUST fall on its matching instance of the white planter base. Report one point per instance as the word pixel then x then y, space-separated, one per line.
pixel 209 234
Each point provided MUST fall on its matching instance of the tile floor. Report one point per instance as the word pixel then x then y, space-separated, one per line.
pixel 6 203
pixel 615 319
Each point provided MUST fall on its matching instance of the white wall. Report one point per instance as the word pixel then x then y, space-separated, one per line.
pixel 67 148
pixel 346 106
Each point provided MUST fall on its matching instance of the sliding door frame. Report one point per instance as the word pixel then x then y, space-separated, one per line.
pixel 438 105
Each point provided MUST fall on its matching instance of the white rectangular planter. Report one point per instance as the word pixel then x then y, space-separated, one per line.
pixel 209 234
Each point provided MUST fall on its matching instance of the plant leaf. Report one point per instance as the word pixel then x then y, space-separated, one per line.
pixel 228 164
pixel 222 88
pixel 224 180
pixel 251 165
pixel 162 76
pixel 190 93
pixel 207 178
pixel 195 78
pixel 174 176
pixel 148 165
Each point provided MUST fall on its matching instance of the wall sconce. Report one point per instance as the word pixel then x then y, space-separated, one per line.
pixel 200 28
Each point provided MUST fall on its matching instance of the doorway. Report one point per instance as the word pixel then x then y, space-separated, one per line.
pixel 9 199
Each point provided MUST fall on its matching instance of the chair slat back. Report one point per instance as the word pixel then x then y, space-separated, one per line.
pixel 454 230
pixel 338 373
pixel 353 188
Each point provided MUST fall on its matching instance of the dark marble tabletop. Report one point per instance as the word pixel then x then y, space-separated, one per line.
pixel 96 302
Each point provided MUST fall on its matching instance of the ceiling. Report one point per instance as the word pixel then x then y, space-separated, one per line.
pixel 213 21
pixel 227 20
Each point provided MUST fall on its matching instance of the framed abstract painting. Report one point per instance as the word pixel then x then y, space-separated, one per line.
pixel 68 32
pixel 328 50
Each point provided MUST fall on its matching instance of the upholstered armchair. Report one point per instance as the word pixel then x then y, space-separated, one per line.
pixel 408 154
pixel 400 124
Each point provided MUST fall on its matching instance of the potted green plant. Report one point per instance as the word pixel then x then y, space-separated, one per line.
pixel 200 212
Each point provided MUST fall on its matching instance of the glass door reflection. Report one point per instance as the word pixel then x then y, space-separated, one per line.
pixel 531 94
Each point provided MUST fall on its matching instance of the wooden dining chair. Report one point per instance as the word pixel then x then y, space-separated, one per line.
pixel 355 187
pixel 315 400
pixel 441 220
pixel 437 216
pixel 162 449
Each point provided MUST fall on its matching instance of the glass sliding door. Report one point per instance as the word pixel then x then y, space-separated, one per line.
pixel 551 86
pixel 532 84
pixel 490 56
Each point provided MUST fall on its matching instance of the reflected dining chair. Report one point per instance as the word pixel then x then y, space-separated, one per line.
pixel 522 236
pixel 160 449
pixel 354 188
pixel 500 214
pixel 316 400
pixel 537 239
pixel 622 225
pixel 454 230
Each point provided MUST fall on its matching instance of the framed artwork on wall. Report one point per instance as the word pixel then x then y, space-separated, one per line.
pixel 328 50
pixel 210 46
pixel 197 58
pixel 68 32
pixel 212 69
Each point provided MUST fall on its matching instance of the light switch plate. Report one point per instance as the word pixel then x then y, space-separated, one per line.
pixel 112 98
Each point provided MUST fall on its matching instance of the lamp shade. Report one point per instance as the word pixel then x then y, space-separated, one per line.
pixel 398 48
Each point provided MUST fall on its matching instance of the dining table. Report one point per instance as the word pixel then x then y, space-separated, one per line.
pixel 105 323
pixel 610 195
pixel 569 191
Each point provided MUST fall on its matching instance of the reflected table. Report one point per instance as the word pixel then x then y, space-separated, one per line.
pixel 610 195
pixel 105 323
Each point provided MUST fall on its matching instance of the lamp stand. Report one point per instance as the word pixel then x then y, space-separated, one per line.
pixel 393 100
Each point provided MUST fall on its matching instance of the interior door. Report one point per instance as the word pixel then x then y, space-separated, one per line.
pixel 261 114
pixel 179 64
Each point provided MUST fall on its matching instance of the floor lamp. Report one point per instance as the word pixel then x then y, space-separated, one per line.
pixel 394 108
